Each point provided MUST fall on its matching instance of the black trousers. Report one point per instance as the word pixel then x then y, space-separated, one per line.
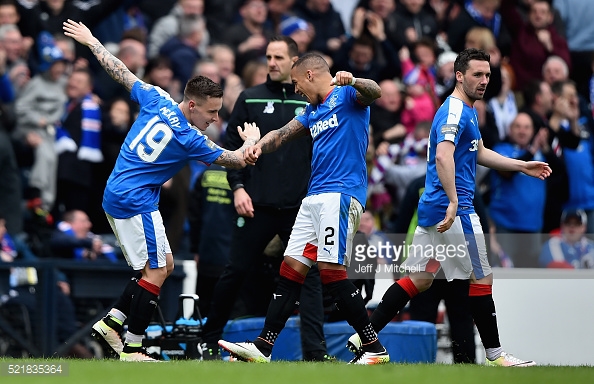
pixel 423 307
pixel 248 244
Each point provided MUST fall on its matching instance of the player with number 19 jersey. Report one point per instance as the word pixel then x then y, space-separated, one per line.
pixel 339 127
pixel 150 155
pixel 457 122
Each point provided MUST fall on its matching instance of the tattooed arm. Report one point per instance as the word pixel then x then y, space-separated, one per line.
pixel 234 159
pixel 274 139
pixel 112 65
pixel 367 91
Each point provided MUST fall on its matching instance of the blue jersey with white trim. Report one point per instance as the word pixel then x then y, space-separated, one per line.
pixel 339 127
pixel 457 122
pixel 160 143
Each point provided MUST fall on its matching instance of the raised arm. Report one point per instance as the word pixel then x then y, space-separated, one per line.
pixel 494 160
pixel 367 90
pixel 112 65
pixel 274 139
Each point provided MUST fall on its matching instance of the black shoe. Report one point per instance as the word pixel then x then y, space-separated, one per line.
pixel 210 351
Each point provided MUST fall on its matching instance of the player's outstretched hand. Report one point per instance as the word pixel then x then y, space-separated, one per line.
pixel 250 131
pixel 251 154
pixel 538 169
pixel 79 32
pixel 343 78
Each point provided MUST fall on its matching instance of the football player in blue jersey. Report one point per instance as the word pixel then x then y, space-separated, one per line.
pixel 337 119
pixel 164 137
pixel 449 233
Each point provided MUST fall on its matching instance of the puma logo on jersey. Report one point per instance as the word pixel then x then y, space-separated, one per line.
pixel 322 125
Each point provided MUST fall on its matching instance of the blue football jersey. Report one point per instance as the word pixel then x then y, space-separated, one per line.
pixel 457 122
pixel 160 143
pixel 339 127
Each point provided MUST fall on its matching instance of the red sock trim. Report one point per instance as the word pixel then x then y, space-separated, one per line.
pixel 331 275
pixel 410 288
pixel 152 288
pixel 480 290
pixel 291 274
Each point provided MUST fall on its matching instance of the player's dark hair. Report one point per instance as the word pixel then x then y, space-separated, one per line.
pixel 312 61
pixel 291 44
pixel 200 88
pixel 463 60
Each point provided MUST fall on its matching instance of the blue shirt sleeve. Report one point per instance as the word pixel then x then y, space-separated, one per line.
pixel 451 121
pixel 143 93
pixel 303 117
pixel 205 150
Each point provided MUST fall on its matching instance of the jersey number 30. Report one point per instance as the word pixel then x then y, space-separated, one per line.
pixel 153 129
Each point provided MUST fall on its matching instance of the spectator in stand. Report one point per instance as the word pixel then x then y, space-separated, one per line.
pixel 158 71
pixel 219 16
pixel 579 28
pixel 254 73
pixel 359 54
pixel 445 77
pixel 555 69
pixel 414 22
pixel 386 11
pixel 250 35
pixel 78 145
pixel 479 13
pixel 39 107
pixel 300 31
pixel 39 16
pixel 579 161
pixel 504 106
pixel 385 114
pixel 421 100
pixel 169 26
pixel 182 49
pixel 224 57
pixel 278 11
pixel 524 6
pixel 73 239
pixel 16 50
pixel 327 24
pixel 517 202
pixel 572 249
pixel 8 12
pixel 534 41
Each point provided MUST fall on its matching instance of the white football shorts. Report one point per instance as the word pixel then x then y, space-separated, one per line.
pixel 324 229
pixel 142 238
pixel 459 251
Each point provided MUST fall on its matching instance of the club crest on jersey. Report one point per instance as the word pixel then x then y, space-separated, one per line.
pixel 322 125
pixel 269 108
pixel 332 101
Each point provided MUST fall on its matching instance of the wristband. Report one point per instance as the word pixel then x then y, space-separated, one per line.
pixel 353 81
pixel 237 186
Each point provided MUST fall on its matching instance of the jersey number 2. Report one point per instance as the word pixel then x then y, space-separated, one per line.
pixel 150 131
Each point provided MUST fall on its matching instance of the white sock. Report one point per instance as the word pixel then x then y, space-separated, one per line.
pixel 133 339
pixel 493 353
pixel 116 313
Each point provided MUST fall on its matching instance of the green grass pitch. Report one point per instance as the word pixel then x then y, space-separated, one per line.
pixel 196 372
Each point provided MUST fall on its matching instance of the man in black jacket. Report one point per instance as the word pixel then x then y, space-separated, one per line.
pixel 267 198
